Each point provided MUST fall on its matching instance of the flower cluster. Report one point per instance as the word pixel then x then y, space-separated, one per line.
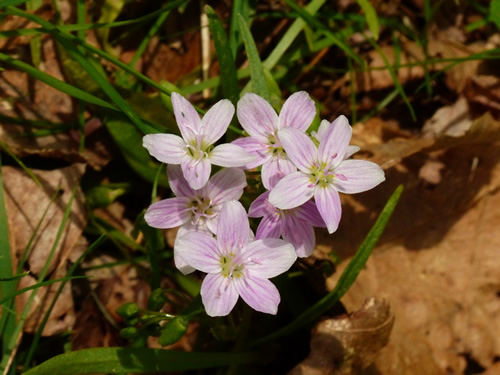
pixel 302 174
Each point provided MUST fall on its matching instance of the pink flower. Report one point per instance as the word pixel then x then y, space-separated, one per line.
pixel 236 265
pixel 323 172
pixel 194 151
pixel 262 123
pixel 294 225
pixel 195 210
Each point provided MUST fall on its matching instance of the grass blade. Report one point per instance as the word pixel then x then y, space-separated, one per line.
pixel 136 361
pixel 348 276
pixel 224 54
pixel 259 83
pixel 371 17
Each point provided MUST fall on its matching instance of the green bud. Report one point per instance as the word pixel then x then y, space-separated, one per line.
pixel 174 330
pixel 157 300
pixel 130 333
pixel 128 310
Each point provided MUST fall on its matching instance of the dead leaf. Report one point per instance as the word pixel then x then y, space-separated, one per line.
pixel 437 263
pixel 26 203
pixel 350 343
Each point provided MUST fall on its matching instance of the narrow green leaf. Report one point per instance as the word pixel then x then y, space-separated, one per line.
pixel 347 278
pixel 312 21
pixel 129 140
pixel 371 17
pixel 259 83
pixel 136 361
pixel 494 12
pixel 224 54
pixel 239 7
pixel 7 320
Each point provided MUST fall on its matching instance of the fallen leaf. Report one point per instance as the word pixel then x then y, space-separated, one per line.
pixel 348 344
pixel 26 203
pixel 437 262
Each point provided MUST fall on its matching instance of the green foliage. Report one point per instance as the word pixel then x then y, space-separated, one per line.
pixel 494 12
pixel 371 17
pixel 173 331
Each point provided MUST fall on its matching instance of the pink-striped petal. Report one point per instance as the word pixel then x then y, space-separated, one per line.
pixel 167 148
pixel 328 203
pixel 199 250
pixel 260 206
pixel 301 235
pixel 309 213
pixel 226 185
pixel 277 167
pixel 292 191
pixel 333 145
pixel 233 228
pixel 253 146
pixel 187 118
pixel 178 183
pixel 356 176
pixel 269 227
pixel 168 213
pixel 299 148
pixel 323 126
pixel 230 155
pixel 216 120
pixel 181 264
pixel 257 116
pixel 260 294
pixel 218 295
pixel 196 172
pixel 298 112
pixel 268 257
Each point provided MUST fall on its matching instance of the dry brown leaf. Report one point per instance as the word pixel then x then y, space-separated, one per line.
pixel 437 263
pixel 22 97
pixel 350 343
pixel 25 204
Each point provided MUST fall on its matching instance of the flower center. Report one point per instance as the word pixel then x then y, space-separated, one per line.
pixel 275 145
pixel 202 209
pixel 198 149
pixel 231 267
pixel 321 175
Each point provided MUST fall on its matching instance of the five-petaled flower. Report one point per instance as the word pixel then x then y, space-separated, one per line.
pixel 195 210
pixel 194 151
pixel 236 265
pixel 294 225
pixel 262 123
pixel 323 171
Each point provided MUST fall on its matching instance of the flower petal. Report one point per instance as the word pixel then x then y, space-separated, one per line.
pixel 226 185
pixel 260 206
pixel 323 126
pixel 292 191
pixel 168 213
pixel 181 264
pixel 269 227
pixel 255 147
pixel 167 148
pixel 356 176
pixel 260 294
pixel 178 183
pixel 299 148
pixel 275 169
pixel 309 213
pixel 233 228
pixel 230 155
pixel 351 150
pixel 328 203
pixel 187 118
pixel 200 251
pixel 298 112
pixel 257 116
pixel 196 172
pixel 268 257
pixel 216 120
pixel 301 235
pixel 218 295
pixel 333 145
